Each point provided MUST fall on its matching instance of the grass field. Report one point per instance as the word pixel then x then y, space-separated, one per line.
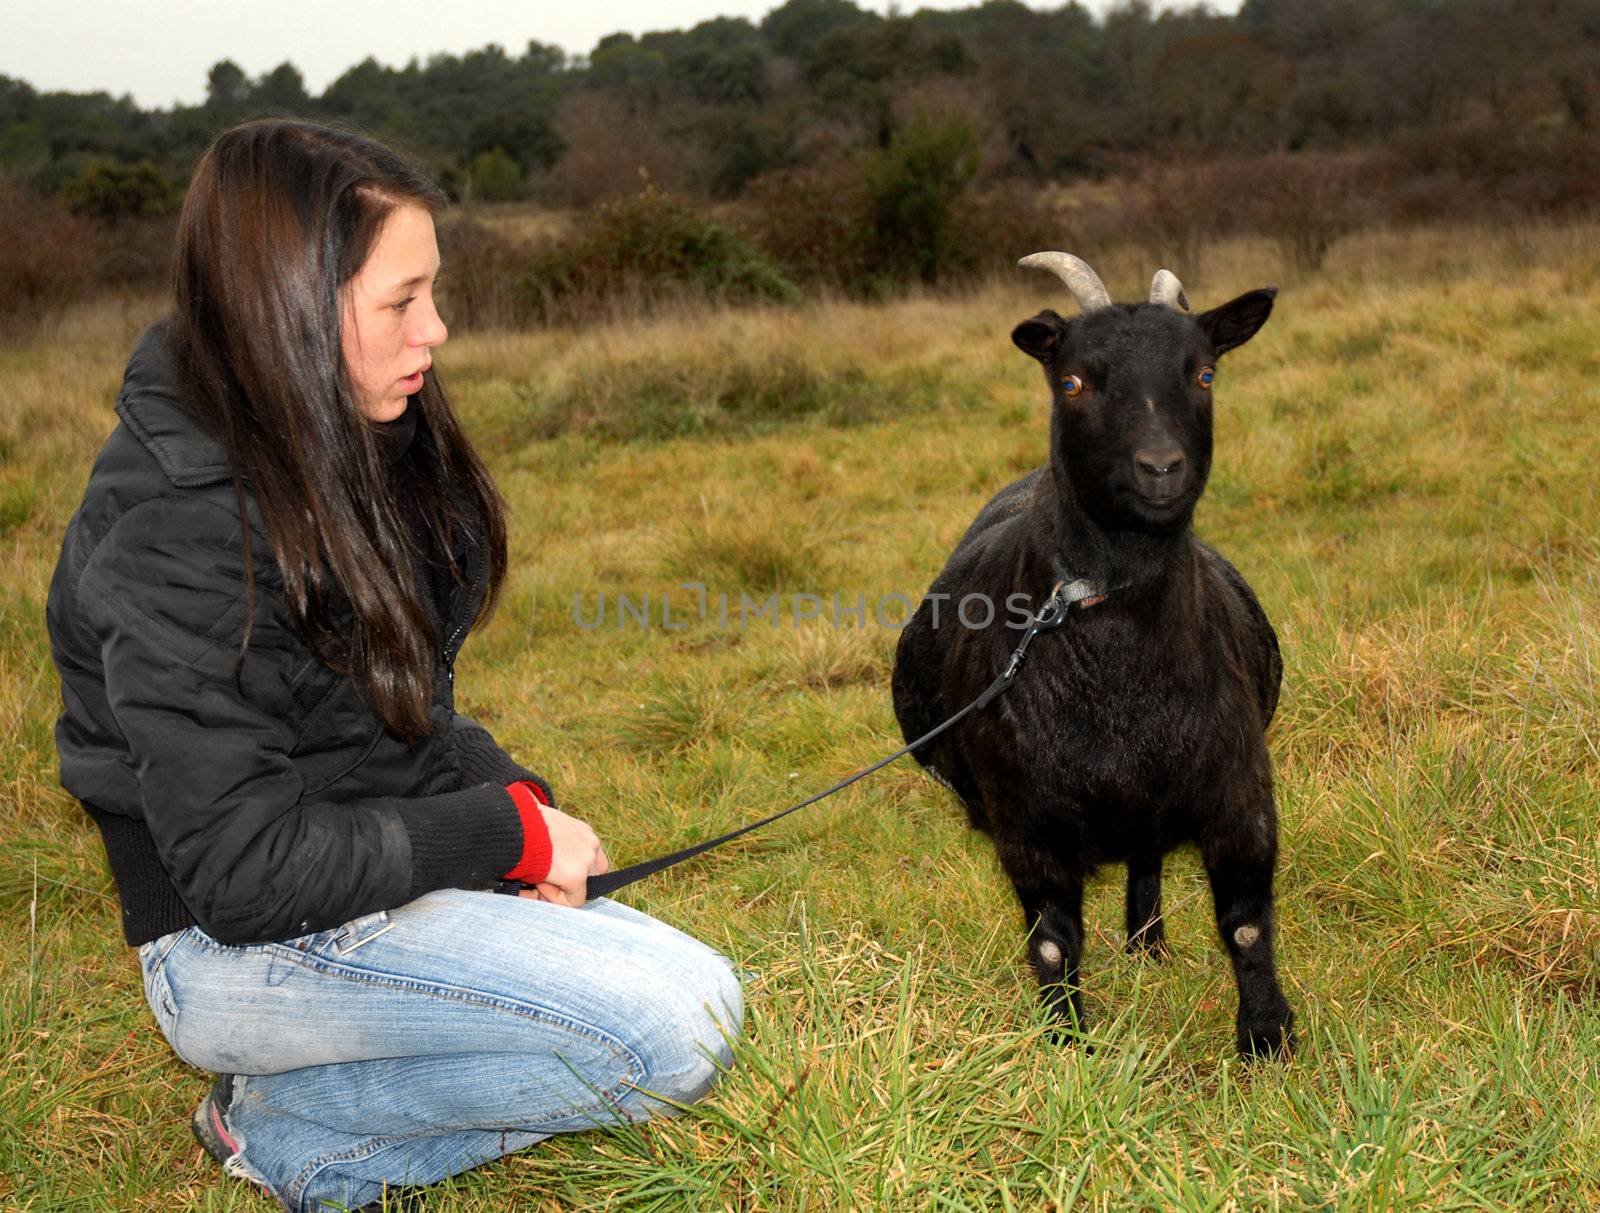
pixel 1406 470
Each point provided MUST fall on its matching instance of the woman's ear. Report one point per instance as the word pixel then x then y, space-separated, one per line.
pixel 1238 320
pixel 1040 336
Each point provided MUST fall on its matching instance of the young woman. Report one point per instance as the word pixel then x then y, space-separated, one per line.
pixel 255 617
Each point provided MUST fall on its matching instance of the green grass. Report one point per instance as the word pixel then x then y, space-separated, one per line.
pixel 1405 470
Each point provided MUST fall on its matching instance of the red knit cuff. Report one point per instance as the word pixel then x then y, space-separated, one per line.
pixel 534 865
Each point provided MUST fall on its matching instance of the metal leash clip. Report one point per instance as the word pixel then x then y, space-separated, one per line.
pixel 1048 617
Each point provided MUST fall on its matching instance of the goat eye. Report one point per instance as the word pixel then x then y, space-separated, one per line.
pixel 1206 377
pixel 1071 385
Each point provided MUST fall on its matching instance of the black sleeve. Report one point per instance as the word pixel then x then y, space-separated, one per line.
pixel 483 760
pixel 252 857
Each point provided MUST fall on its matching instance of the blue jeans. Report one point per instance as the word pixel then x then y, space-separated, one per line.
pixel 419 1042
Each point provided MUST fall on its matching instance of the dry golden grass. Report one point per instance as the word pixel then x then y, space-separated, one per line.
pixel 1404 470
pixel 522 222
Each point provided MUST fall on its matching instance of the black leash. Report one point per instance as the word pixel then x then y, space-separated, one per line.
pixel 1048 617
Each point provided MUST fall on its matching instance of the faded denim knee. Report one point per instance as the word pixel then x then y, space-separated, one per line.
pixel 689 1012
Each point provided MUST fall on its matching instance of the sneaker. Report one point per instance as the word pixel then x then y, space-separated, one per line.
pixel 211 1131
pixel 209 1128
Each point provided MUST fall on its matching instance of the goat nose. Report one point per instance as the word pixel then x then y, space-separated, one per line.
pixel 1159 462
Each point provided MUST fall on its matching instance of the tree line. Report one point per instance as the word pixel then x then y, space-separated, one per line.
pixel 1048 95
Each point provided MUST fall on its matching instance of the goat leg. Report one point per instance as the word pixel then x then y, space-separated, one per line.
pixel 1145 931
pixel 1053 915
pixel 1239 863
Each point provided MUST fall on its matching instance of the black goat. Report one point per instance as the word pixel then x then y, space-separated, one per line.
pixel 1139 724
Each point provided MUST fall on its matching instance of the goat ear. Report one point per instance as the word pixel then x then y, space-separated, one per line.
pixel 1238 320
pixel 1040 336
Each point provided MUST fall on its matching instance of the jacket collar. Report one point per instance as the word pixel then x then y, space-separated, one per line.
pixel 148 405
pixel 395 437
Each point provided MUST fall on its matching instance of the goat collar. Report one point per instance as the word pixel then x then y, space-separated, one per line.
pixel 1071 590
pixel 1079 592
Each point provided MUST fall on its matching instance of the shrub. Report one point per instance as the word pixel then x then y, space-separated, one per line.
pixel 482 268
pixel 995 227
pixel 1485 171
pixel 907 214
pixel 1304 202
pixel 48 259
pixel 136 255
pixel 913 188
pixel 494 176
pixel 812 222
pixel 646 248
pixel 111 191
pixel 1177 207
pixel 631 253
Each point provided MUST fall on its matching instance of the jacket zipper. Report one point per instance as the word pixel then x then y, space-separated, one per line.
pixel 450 649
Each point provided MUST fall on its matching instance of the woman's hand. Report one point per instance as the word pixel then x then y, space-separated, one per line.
pixel 575 855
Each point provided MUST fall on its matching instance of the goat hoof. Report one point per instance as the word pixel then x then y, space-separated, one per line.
pixel 1064 1006
pixel 1067 1021
pixel 1069 1036
pixel 1150 944
pixel 1271 1037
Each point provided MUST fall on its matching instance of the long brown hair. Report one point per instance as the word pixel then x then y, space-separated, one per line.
pixel 279 217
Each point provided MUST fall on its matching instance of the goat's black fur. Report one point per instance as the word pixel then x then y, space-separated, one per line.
pixel 1139 724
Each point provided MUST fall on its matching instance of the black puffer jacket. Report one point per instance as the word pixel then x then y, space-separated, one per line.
pixel 262 808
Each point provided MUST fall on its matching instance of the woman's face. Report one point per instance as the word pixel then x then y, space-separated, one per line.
pixel 390 322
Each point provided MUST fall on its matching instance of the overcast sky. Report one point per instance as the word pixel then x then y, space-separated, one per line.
pixel 160 50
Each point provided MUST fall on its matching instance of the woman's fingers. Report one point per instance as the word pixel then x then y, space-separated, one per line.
pixel 602 864
pixel 554 894
pixel 560 896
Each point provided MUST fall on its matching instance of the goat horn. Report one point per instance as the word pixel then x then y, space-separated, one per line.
pixel 1168 290
pixel 1082 281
